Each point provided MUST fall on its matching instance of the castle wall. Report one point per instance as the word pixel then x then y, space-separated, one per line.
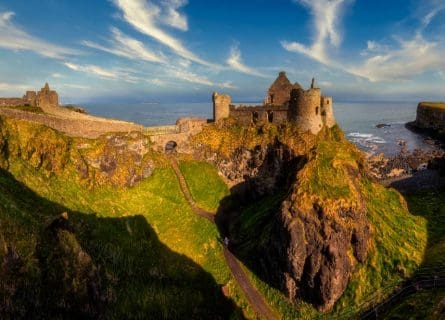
pixel 221 106
pixel 244 115
pixel 278 93
pixel 11 102
pixel 327 112
pixel 30 98
pixel 305 109
pixel 430 117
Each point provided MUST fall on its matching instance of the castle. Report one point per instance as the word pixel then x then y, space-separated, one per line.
pixel 284 102
pixel 46 99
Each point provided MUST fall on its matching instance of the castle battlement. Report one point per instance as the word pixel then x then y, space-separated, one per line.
pixel 284 102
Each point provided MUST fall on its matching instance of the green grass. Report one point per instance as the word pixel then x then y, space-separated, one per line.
pixel 160 259
pixel 421 305
pixel 136 234
pixel 434 105
pixel 206 186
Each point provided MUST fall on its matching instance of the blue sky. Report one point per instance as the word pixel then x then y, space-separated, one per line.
pixel 179 50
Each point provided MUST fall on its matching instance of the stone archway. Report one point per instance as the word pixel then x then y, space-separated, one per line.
pixel 170 146
pixel 270 116
pixel 255 117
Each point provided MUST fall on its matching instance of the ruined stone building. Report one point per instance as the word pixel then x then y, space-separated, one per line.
pixel 46 99
pixel 284 102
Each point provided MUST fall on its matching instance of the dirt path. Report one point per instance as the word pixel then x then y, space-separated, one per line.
pixel 255 299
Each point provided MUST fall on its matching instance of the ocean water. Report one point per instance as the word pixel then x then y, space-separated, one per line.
pixel 357 119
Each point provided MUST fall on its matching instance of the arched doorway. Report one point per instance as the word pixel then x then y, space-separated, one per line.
pixel 270 116
pixel 255 117
pixel 170 146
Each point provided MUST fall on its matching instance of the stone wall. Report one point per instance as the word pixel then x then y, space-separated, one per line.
pixel 244 115
pixel 430 116
pixel 279 92
pixel 221 106
pixel 11 102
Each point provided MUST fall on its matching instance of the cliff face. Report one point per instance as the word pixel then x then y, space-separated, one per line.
pixel 116 159
pixel 306 229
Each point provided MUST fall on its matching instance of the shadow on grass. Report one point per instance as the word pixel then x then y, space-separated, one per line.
pixel 94 267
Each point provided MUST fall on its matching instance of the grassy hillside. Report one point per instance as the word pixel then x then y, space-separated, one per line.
pixel 206 187
pixel 155 257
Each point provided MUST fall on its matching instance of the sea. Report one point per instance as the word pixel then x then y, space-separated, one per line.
pixel 358 120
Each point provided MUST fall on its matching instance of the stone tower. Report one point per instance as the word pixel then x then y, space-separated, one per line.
pixel 221 106
pixel 47 100
pixel 327 113
pixel 305 109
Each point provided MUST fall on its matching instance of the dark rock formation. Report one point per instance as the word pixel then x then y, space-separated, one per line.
pixel 307 245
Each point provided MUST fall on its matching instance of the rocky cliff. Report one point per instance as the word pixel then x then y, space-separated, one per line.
pixel 306 229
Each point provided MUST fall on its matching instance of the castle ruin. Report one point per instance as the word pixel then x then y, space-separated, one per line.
pixel 45 99
pixel 284 102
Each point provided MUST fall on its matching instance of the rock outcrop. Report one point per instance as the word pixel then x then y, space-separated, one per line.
pixel 319 231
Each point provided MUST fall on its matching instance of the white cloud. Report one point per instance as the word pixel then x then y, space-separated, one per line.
pixel 125 46
pixel 172 16
pixel 191 77
pixel 399 59
pixel 57 75
pixel 326 14
pixel 145 16
pixel 126 74
pixel 236 63
pixel 411 57
pixel 13 37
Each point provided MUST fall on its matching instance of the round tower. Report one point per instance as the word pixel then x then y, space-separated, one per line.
pixel 305 109
pixel 327 112
pixel 221 106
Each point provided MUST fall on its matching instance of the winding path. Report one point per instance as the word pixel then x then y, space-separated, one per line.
pixel 255 299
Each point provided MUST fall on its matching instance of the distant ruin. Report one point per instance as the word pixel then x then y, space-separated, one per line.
pixel 45 99
pixel 284 102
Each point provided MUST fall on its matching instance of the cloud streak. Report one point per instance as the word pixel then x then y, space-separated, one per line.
pixel 235 62
pixel 145 17
pixel 125 46
pixel 326 17
pixel 13 37
pixel 402 59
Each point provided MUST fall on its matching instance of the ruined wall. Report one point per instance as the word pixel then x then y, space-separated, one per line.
pixel 191 125
pixel 305 109
pixel 430 117
pixel 11 102
pixel 279 92
pixel 221 106
pixel 30 98
pixel 327 112
pixel 245 115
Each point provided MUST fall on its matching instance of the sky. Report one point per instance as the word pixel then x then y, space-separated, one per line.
pixel 183 50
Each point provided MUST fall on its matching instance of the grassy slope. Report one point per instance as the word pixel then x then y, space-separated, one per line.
pixel 190 243
pixel 430 205
pixel 206 187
